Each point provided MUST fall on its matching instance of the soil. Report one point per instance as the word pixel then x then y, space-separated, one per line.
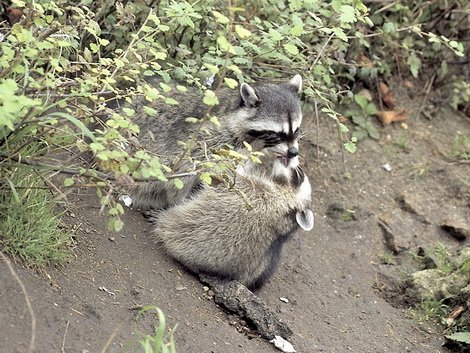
pixel 339 278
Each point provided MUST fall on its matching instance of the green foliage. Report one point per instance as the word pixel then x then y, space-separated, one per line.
pixel 160 341
pixel 442 256
pixel 461 146
pixel 362 114
pixel 422 33
pixel 29 227
pixel 432 310
pixel 446 289
pixel 462 337
pixel 401 142
pixel 64 65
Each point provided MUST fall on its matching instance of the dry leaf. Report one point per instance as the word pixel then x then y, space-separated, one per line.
pixel 365 93
pixel 14 14
pixel 389 116
pixel 455 314
pixel 364 61
pixel 387 95
pixel 408 84
pixel 383 88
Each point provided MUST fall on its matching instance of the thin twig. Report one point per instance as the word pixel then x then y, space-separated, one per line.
pixel 83 172
pixel 321 52
pixel 317 120
pixel 110 339
pixel 209 109
pixel 65 334
pixel 28 302
pixel 428 89
pixel 52 186
pixel 340 139
pixel 377 86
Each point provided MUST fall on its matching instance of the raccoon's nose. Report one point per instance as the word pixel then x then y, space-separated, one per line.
pixel 292 152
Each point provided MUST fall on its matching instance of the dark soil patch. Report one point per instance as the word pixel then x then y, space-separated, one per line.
pixel 338 289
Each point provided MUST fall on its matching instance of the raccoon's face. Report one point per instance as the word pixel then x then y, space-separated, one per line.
pixel 274 123
pixel 298 181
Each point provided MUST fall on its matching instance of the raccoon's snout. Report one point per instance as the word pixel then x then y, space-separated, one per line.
pixel 290 160
pixel 292 152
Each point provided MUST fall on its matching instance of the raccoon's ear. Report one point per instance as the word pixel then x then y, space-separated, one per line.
pixel 249 96
pixel 305 219
pixel 296 83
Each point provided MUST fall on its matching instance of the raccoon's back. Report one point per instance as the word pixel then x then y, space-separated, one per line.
pixel 220 228
pixel 160 131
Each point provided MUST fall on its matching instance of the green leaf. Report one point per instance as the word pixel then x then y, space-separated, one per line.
pixel 191 120
pixel 212 68
pixel 230 82
pixel 463 337
pixel 361 100
pixel 206 178
pixel 220 17
pixel 350 147
pixel 242 32
pixel 358 119
pixel 291 49
pixel 297 30
pixel 215 121
pixel 85 131
pixel 69 182
pixel 178 183
pixel 118 225
pixel 347 14
pixel 247 146
pixel 372 131
pixel 275 35
pixel 389 27
pixel 343 128
pixel 414 63
pixel 13 191
pixel 104 42
pixel 165 88
pixel 224 44
pixel 94 47
pixel 210 98
pixel 182 89
pixel 371 109
pixel 128 111
pixel 340 34
pixel 235 69
pixel 171 101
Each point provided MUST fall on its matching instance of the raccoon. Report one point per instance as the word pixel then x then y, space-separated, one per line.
pixel 266 115
pixel 220 233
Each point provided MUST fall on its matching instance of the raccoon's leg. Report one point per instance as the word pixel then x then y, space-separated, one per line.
pixel 271 262
pixel 161 195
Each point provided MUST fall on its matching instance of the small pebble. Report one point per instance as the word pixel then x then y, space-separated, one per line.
pixel 387 167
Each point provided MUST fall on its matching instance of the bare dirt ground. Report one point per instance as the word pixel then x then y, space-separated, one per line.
pixel 334 276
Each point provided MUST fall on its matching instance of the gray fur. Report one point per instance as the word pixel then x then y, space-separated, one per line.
pixel 253 107
pixel 222 234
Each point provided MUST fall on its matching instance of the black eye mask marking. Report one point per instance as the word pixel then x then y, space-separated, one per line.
pixel 271 138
